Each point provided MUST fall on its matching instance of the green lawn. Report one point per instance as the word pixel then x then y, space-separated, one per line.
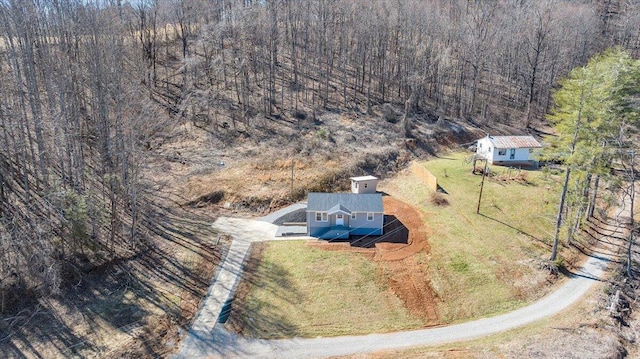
pixel 484 264
pixel 479 265
pixel 303 291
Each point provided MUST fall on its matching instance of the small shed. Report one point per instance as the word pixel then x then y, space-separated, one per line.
pixel 364 184
pixel 508 150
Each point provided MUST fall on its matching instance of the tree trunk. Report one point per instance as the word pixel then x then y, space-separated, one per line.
pixel 594 197
pixel 556 234
pixel 632 219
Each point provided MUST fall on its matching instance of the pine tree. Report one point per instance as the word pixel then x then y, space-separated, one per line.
pixel 588 117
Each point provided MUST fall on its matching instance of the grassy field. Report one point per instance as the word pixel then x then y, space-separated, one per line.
pixel 304 291
pixel 483 264
pixel 569 334
pixel 479 265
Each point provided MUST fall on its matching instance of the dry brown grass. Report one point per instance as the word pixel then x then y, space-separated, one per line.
pixel 438 199
pixel 130 308
pixel 269 180
pixel 256 176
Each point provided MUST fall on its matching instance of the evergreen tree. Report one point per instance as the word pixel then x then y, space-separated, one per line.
pixel 592 109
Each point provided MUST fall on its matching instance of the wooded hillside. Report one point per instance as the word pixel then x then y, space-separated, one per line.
pixel 86 85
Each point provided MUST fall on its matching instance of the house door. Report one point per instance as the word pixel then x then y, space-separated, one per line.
pixel 512 153
pixel 339 219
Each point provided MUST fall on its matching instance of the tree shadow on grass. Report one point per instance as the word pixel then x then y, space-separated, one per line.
pixel 578 274
pixel 517 230
pixel 597 229
pixel 116 307
pixel 18 342
pixel 257 318
pixel 597 235
pixel 63 325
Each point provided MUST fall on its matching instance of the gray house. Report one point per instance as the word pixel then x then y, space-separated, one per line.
pixel 339 215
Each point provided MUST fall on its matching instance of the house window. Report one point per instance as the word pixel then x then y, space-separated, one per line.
pixel 356 184
pixel 321 216
pixel 370 216
pixel 365 185
pixel 353 215
pixel 531 150
pixel 502 152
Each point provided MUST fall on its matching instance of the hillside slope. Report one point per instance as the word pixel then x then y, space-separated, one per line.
pixel 126 127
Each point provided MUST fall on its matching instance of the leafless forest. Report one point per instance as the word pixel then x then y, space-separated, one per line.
pixel 86 85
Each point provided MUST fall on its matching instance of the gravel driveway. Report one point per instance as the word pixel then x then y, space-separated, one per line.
pixel 223 344
pixel 207 339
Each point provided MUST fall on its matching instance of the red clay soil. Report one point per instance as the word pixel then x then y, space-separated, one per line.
pixel 385 251
pixel 397 263
pixel 409 281
pixel 412 219
pixel 407 278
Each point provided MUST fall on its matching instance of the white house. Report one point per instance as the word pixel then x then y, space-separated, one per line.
pixel 364 184
pixel 508 150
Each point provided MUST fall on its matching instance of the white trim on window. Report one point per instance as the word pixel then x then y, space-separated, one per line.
pixel 369 216
pixel 353 215
pixel 321 217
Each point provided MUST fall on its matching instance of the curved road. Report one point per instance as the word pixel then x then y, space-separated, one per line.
pixel 206 339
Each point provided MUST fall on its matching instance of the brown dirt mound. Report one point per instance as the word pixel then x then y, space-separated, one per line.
pixel 412 219
pixel 404 275
pixel 407 278
pixel 410 283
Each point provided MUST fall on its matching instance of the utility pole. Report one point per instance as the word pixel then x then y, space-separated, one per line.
pixel 633 195
pixel 292 165
pixel 484 174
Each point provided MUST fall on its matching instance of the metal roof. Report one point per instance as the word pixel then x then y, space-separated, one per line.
pixel 339 208
pixel 353 202
pixel 514 142
pixel 363 178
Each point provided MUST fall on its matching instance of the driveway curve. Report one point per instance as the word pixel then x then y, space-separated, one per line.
pixel 206 339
